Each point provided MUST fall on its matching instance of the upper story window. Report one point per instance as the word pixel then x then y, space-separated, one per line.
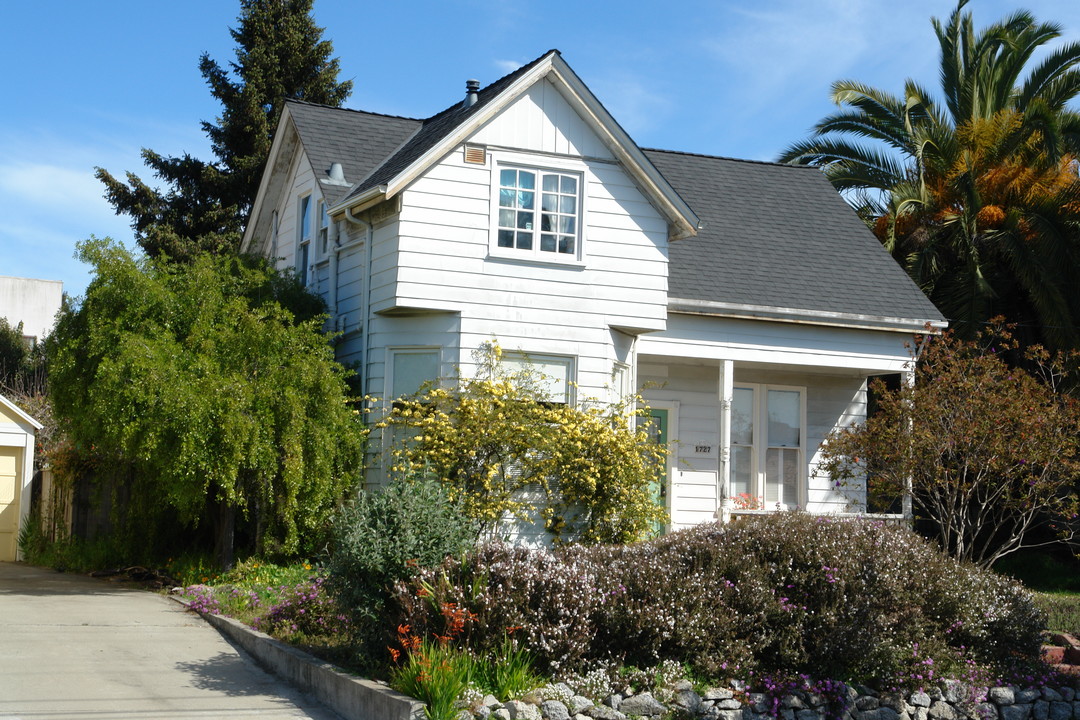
pixel 303 240
pixel 324 231
pixel 539 213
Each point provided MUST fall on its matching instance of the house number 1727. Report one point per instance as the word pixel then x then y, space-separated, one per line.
pixel 705 449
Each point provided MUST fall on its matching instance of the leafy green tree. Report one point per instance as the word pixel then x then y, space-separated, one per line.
pixel 205 396
pixel 503 450
pixel 979 197
pixel 279 55
pixel 990 452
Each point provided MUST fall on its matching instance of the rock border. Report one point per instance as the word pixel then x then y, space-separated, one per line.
pixel 351 697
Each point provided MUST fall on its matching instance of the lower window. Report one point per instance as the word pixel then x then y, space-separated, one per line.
pixel 767 452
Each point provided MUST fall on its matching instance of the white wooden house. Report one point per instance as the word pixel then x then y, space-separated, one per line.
pixel 746 297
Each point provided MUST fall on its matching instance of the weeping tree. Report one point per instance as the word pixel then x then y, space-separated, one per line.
pixel 280 55
pixel 200 394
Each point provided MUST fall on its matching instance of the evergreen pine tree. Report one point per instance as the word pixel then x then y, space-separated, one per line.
pixel 279 55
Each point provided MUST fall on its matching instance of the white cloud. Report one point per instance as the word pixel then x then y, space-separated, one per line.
pixel 507 66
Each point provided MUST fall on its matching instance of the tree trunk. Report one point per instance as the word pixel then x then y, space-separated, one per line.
pixel 224 532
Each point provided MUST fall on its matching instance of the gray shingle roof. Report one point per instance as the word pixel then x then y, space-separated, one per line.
pixel 437 127
pixel 360 141
pixel 780 236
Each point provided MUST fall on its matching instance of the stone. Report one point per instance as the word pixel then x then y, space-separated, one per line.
pixel 579 703
pixel 1015 712
pixel 1049 694
pixel 522 710
pixel 1060 711
pixel 986 711
pixel 554 710
pixel 919 699
pixel 921 713
pixel 1027 696
pixel 1040 710
pixel 482 712
pixel 807 714
pixel 1001 695
pixel 731 704
pixel 729 714
pixel 501 714
pixel 954 691
pixel 887 713
pixel 814 700
pixel 792 701
pixel 941 710
pixel 759 703
pixel 867 702
pixel 710 713
pixel 603 712
pixel 646 705
pixel 718 694
pixel 1067 694
pixel 687 699
pixel 682 685
pixel 464 715
pixel 785 713
pixel 613 700
pixel 491 701
pixel 935 693
pixel 563 689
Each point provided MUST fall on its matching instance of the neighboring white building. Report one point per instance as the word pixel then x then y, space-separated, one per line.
pixel 34 303
pixel 747 297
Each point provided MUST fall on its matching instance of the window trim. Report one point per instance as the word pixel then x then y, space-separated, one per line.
pixel 563 166
pixel 760 446
pixel 303 260
pixel 570 362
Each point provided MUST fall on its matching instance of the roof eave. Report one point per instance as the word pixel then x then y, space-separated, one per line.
pixel 357 203
pixel 280 133
pixel 802 316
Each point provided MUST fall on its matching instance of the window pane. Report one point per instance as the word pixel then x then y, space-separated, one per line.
pixel 305 218
pixel 526 180
pixel 547 243
pixel 782 476
pixel 742 416
pixel 784 416
pixel 740 470
pixel 567 225
pixel 413 369
pixel 790 467
pixel 549 202
pixel 526 199
pixel 566 244
pixel 524 220
pixel 553 372
pixel 568 205
pixel 546 223
pixel 551 183
pixel 524 241
pixel 568 185
pixel 506 218
pixel 508 178
pixel 506 198
pixel 772 476
pixel 506 238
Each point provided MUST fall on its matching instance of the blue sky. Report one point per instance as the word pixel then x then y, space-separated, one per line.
pixel 89 84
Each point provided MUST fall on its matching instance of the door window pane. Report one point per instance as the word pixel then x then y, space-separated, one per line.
pixel 784 417
pixel 742 416
pixel 741 464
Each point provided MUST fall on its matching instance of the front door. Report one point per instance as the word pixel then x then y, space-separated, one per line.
pixel 658 433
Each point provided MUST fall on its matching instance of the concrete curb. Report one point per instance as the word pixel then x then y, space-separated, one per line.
pixel 351 697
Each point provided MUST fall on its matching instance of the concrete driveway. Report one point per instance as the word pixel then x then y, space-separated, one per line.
pixel 76 647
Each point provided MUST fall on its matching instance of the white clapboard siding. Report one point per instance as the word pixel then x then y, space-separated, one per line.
pixel 692 498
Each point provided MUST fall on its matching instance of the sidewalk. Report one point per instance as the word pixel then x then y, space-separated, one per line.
pixel 76 647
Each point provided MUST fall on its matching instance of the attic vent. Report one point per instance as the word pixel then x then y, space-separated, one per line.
pixel 475 154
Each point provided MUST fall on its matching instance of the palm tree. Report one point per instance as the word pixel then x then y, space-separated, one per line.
pixel 978 198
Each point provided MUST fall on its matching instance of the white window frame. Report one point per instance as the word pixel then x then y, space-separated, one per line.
pixel 760 447
pixel 567 361
pixel 559 166
pixel 304 233
pixel 322 232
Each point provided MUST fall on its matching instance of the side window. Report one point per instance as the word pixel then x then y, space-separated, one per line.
pixel 324 231
pixel 410 368
pixel 303 240
pixel 555 373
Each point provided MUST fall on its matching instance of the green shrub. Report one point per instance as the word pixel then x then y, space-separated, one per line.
pixel 1062 611
pixel 381 537
pixel 785 593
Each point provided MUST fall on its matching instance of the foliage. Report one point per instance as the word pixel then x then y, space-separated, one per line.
pixel 302 610
pixel 379 537
pixel 977 199
pixel 201 393
pixel 436 673
pixel 780 594
pixel 21 365
pixel 1062 611
pixel 990 451
pixel 66 553
pixel 279 55
pixel 495 440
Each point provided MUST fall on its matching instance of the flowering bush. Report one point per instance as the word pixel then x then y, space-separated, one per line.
pixel 304 609
pixel 781 594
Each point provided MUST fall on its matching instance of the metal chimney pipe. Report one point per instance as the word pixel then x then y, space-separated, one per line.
pixel 472 87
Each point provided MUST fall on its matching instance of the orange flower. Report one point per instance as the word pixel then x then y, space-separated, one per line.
pixel 403 629
pixel 394 654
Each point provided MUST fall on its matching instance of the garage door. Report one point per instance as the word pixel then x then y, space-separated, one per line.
pixel 9 505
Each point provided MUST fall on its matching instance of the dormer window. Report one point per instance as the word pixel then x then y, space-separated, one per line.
pixel 539 213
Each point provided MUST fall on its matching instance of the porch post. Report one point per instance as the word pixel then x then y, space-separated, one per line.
pixel 723 475
pixel 907 378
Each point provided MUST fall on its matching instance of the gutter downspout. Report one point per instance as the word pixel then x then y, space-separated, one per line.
pixel 365 310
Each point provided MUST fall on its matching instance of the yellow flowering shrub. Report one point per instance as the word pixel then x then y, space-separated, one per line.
pixel 504 450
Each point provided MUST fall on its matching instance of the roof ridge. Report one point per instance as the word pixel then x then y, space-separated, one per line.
pixel 352 110
pixel 725 157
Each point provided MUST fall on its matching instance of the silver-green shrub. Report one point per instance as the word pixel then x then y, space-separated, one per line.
pixel 786 593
